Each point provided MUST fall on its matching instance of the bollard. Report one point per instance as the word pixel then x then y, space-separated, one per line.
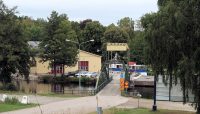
pixel 25 100
pixel 99 110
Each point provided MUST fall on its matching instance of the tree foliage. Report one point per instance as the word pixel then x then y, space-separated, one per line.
pixel 93 30
pixel 34 30
pixel 115 34
pixel 127 24
pixel 14 50
pixel 55 47
pixel 137 46
pixel 172 35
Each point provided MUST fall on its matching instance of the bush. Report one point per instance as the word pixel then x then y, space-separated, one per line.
pixel 12 100
pixel 9 87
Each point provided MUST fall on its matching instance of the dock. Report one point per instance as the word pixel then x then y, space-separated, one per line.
pixel 142 81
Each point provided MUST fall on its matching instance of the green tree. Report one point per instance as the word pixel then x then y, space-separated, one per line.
pixel 127 24
pixel 14 50
pixel 84 22
pixel 172 36
pixel 34 30
pixel 76 27
pixel 137 46
pixel 115 35
pixel 93 30
pixel 55 47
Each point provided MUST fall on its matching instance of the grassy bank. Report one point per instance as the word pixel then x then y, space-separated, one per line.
pixel 142 111
pixel 10 107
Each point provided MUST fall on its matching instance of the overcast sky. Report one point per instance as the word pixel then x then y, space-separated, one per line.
pixel 105 11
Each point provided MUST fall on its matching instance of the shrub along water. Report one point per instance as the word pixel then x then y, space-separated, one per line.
pixel 8 87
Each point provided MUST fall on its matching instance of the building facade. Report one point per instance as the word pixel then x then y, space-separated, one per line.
pixel 87 62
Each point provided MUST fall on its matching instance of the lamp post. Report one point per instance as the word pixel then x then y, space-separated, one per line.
pixel 79 47
pixel 154 107
pixel 139 96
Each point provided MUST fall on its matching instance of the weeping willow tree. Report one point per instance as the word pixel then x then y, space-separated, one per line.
pixel 173 44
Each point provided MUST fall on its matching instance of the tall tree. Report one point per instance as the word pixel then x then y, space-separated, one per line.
pixel 84 22
pixel 137 46
pixel 14 50
pixel 55 47
pixel 172 36
pixel 93 30
pixel 114 34
pixel 34 30
pixel 127 24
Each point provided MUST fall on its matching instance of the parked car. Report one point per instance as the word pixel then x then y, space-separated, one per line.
pixel 89 74
pixel 94 74
pixel 81 73
pixel 71 73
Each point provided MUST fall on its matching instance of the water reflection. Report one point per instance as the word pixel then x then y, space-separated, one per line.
pixel 41 88
pixel 146 92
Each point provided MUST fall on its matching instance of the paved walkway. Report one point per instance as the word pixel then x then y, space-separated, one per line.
pixel 147 103
pixel 107 98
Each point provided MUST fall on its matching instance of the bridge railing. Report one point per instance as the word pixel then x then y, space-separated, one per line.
pixel 102 85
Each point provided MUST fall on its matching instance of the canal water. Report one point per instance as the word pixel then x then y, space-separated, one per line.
pixel 146 92
pixel 43 88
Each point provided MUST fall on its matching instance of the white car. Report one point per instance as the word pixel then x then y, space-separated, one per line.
pixel 88 74
pixel 81 73
pixel 94 74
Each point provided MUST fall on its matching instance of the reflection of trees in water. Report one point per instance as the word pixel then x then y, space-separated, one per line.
pixel 32 88
pixel 35 87
pixel 57 88
pixel 146 92
pixel 27 87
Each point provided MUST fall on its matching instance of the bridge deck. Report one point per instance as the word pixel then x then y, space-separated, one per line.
pixel 112 89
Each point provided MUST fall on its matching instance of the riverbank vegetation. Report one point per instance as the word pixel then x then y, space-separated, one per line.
pixel 11 104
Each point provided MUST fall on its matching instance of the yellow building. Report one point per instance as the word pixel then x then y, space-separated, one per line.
pixel 87 62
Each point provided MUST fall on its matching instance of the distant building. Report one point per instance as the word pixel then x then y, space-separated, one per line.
pixel 87 62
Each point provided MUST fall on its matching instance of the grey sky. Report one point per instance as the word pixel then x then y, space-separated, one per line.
pixel 105 11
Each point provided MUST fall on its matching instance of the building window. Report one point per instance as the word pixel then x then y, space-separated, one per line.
pixel 83 65
pixel 58 69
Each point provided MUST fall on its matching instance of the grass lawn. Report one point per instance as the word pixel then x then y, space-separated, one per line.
pixel 142 111
pixel 10 107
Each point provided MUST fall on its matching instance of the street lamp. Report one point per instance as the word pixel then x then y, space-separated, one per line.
pixel 79 47
pixel 154 107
